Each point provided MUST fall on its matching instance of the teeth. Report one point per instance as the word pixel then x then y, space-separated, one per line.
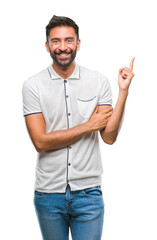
pixel 63 54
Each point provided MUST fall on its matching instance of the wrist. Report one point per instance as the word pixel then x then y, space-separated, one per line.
pixel 90 126
pixel 87 127
pixel 123 92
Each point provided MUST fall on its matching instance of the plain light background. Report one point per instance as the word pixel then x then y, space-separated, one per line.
pixel 112 32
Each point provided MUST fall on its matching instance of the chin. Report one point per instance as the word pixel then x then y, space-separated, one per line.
pixel 64 64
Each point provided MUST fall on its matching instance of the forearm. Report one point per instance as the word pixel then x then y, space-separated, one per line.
pixel 110 133
pixel 61 139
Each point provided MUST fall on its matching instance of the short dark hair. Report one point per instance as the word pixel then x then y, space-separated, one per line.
pixel 57 21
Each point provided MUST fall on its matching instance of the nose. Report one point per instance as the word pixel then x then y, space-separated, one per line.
pixel 63 46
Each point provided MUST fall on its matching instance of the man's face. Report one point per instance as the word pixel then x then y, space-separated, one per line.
pixel 63 45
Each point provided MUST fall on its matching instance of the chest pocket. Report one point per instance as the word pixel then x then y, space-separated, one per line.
pixel 86 106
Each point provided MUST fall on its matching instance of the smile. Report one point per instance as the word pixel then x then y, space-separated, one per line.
pixel 63 54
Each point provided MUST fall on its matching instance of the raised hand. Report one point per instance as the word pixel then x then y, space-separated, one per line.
pixel 125 76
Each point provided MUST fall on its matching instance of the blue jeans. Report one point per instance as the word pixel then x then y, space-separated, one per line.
pixel 82 211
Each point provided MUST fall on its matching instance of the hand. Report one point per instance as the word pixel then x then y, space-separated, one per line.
pixel 99 120
pixel 125 76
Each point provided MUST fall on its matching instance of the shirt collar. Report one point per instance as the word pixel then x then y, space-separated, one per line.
pixel 74 75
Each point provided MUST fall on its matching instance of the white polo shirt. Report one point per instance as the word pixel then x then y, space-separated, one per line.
pixel 66 103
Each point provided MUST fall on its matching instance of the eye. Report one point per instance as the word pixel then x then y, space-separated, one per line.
pixel 69 40
pixel 55 41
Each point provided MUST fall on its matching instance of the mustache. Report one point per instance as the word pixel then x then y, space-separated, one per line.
pixel 63 52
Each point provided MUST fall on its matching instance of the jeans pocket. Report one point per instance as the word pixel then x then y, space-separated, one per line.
pixel 40 194
pixel 94 192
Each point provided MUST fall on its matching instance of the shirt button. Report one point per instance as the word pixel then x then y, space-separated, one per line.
pixel 69 114
pixel 67 96
pixel 70 147
pixel 65 81
pixel 69 164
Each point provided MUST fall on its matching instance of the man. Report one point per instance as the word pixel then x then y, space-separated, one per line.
pixel 65 106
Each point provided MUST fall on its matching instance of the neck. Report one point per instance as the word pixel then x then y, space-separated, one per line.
pixel 64 72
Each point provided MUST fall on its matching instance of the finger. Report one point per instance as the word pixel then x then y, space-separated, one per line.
pixel 106 111
pixel 107 119
pixel 128 75
pixel 127 69
pixel 109 114
pixel 128 72
pixel 96 109
pixel 131 63
pixel 120 70
pixel 125 73
pixel 105 108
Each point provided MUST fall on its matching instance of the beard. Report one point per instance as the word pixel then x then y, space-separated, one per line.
pixel 67 60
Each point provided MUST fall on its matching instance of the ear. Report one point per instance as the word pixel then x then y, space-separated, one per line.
pixel 78 44
pixel 47 46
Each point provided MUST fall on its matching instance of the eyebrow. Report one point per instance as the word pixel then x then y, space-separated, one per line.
pixel 52 39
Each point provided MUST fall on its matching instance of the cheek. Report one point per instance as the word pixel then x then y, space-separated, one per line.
pixel 53 49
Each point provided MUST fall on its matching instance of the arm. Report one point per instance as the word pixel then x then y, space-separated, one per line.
pixel 60 139
pixel 110 133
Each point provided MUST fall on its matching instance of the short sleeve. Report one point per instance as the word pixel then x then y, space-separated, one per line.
pixel 30 95
pixel 105 93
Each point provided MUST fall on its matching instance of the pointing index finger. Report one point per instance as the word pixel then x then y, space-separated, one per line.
pixel 131 63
